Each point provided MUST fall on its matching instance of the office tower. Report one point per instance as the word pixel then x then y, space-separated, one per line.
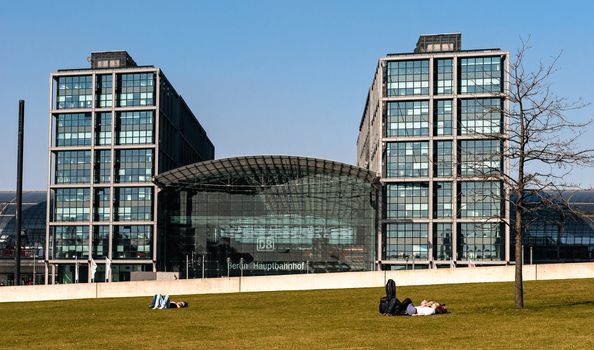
pixel 434 130
pixel 112 127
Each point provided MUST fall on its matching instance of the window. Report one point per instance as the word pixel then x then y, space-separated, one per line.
pixel 133 203
pixel 70 242
pixel 407 78
pixel 102 166
pixel 100 241
pixel 407 159
pixel 443 76
pixel 134 165
pixel 103 129
pixel 136 89
pixel 104 91
pixel 133 242
pixel 407 200
pixel 101 203
pixel 480 116
pixel 409 118
pixel 71 204
pixel 480 241
pixel 442 200
pixel 480 199
pixel 406 241
pixel 480 74
pixel 442 241
pixel 442 155
pixel 442 114
pixel 75 92
pixel 73 167
pixel 480 157
pixel 73 129
pixel 135 128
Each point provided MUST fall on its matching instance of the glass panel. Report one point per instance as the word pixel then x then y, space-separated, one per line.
pixel 442 241
pixel 443 116
pixel 407 200
pixel 443 69
pixel 407 78
pixel 70 242
pixel 73 167
pixel 406 241
pixel 480 199
pixel 480 74
pixel 133 203
pixel 134 165
pixel 134 128
pixel 136 89
pixel 73 129
pixel 75 92
pixel 480 241
pixel 133 242
pixel 71 204
pixel 409 118
pixel 407 159
pixel 480 157
pixel 480 116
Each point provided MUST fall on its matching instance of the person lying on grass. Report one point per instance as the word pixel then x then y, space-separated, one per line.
pixel 162 302
pixel 407 308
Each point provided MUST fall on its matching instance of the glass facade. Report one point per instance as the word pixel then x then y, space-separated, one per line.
pixel 134 165
pixel 480 74
pixel 443 76
pixel 103 129
pixel 271 215
pixel 407 78
pixel 73 129
pixel 101 201
pixel 104 91
pixel 480 241
pixel 480 116
pixel 73 167
pixel 442 200
pixel 409 118
pixel 406 241
pixel 71 204
pixel 133 204
pixel 135 128
pixel 70 242
pixel 100 241
pixel 407 159
pixel 442 241
pixel 33 226
pixel 136 89
pixel 133 242
pixel 442 117
pixel 102 167
pixel 480 199
pixel 407 200
pixel 480 157
pixel 74 92
pixel 442 162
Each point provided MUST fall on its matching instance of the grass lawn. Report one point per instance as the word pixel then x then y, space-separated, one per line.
pixel 558 315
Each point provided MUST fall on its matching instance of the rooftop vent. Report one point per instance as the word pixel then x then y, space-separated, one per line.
pixel 439 43
pixel 111 59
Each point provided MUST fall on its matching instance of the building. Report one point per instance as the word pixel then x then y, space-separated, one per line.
pixel 32 237
pixel 267 215
pixel 433 129
pixel 112 127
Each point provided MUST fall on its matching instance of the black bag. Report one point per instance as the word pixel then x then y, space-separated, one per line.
pixel 390 289
pixel 389 303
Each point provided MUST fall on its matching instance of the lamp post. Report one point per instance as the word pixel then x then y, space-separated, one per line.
pixel 19 194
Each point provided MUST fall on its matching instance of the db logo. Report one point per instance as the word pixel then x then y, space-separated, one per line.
pixel 265 244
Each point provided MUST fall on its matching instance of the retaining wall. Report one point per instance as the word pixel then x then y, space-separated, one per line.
pixel 293 282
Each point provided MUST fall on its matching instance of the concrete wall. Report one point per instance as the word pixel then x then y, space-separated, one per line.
pixel 292 282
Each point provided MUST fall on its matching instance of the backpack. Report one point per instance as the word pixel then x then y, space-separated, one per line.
pixel 389 303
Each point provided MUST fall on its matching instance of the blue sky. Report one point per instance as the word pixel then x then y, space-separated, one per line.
pixel 267 77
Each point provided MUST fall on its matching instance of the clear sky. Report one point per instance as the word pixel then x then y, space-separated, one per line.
pixel 267 77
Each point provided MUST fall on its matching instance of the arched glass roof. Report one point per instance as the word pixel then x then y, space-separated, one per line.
pixel 288 167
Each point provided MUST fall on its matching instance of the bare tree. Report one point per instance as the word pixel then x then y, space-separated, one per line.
pixel 542 147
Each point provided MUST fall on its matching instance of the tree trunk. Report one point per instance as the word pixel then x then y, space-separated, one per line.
pixel 519 286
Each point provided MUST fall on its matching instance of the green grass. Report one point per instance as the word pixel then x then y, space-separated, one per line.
pixel 558 315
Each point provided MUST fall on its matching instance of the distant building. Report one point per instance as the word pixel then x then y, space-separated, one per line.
pixel 112 128
pixel 433 130
pixel 32 236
